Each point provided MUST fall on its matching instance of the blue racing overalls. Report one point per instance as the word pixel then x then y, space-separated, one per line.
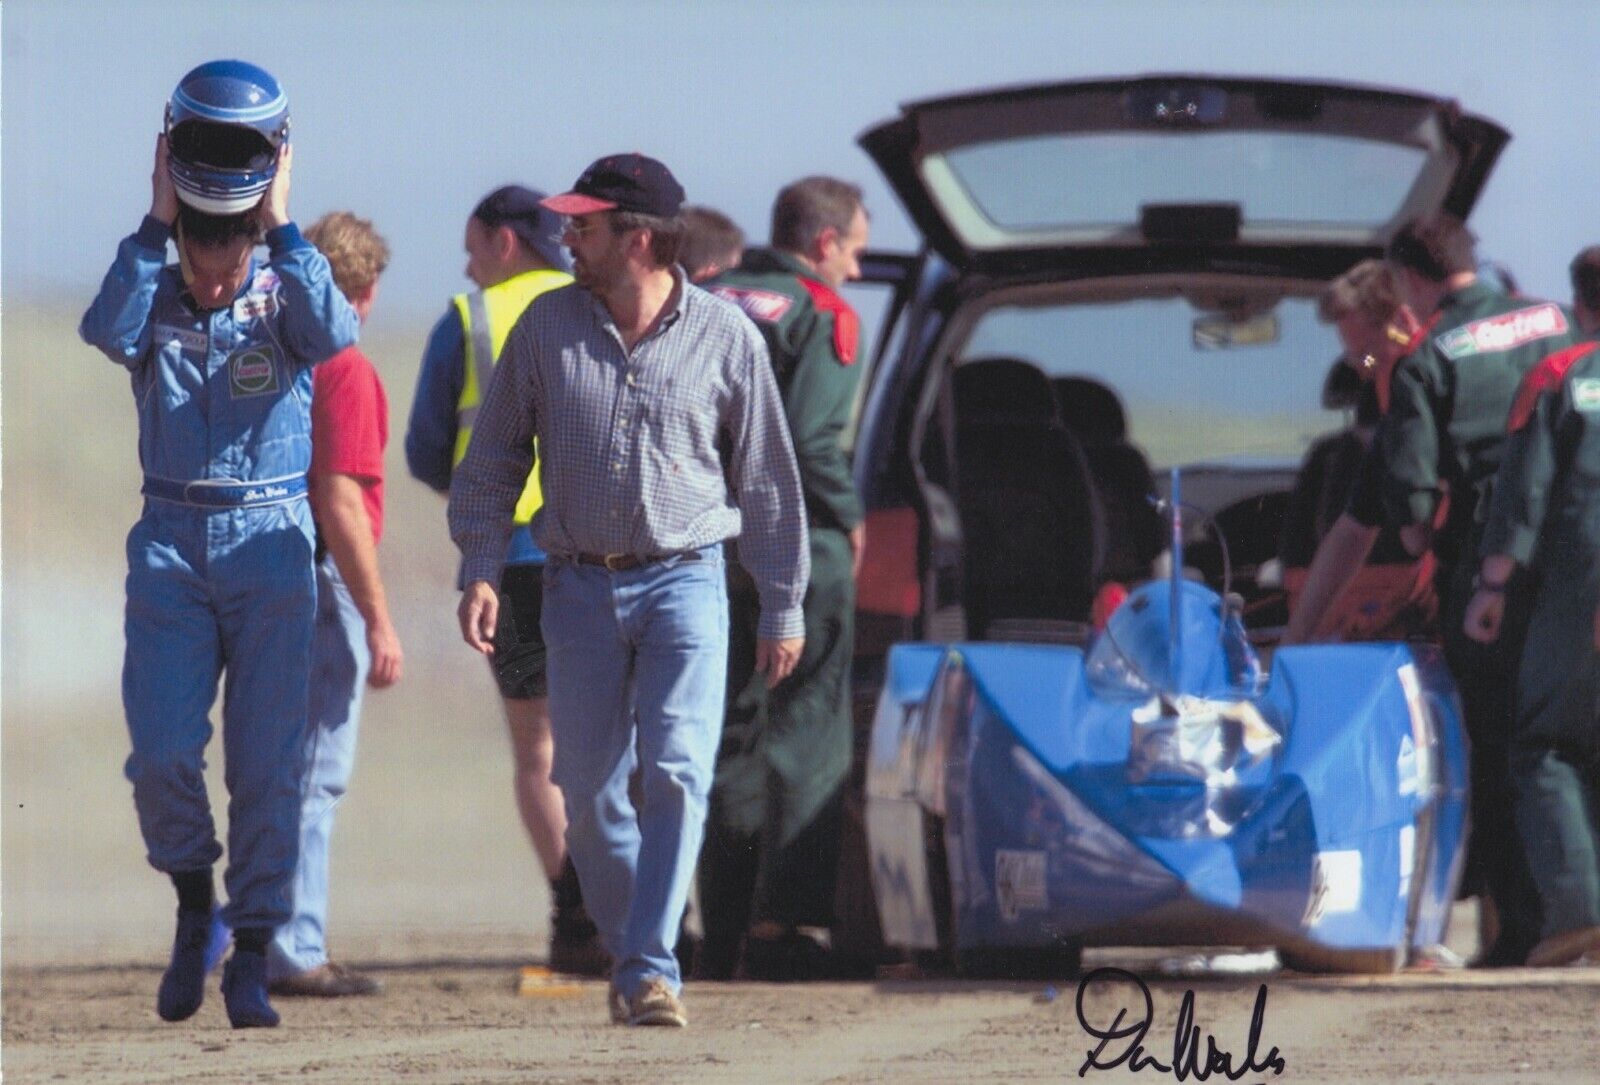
pixel 220 569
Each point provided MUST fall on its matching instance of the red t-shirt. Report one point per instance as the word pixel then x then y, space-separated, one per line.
pixel 350 427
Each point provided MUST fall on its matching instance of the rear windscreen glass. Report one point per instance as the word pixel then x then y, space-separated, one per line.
pixel 1184 403
pixel 1278 179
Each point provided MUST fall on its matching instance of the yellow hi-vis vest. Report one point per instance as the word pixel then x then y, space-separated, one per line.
pixel 486 319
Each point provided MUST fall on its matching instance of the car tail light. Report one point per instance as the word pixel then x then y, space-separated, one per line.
pixel 889 582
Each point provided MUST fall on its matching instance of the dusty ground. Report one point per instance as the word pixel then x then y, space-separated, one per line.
pixel 451 1022
pixel 436 889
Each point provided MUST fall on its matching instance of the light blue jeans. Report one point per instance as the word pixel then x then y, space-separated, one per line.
pixel 340 661
pixel 638 668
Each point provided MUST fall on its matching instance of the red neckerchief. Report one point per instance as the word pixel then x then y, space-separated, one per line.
pixel 846 325
pixel 1386 370
pixel 1548 374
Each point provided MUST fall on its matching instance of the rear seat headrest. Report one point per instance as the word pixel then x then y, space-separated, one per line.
pixel 1002 390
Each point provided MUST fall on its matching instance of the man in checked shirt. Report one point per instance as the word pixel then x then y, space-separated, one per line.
pixel 662 435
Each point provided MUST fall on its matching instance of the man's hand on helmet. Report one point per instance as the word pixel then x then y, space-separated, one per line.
pixel 163 194
pixel 275 204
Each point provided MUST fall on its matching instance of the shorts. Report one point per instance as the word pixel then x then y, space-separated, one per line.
pixel 519 655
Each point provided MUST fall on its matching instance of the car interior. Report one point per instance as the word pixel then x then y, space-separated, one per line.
pixel 1058 494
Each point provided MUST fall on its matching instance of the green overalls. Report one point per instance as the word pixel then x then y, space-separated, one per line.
pixel 1444 422
pixel 1546 516
pixel 772 841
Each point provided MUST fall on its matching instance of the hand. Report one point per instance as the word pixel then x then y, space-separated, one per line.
pixel 275 204
pixel 1484 613
pixel 776 658
pixel 478 612
pixel 163 195
pixel 858 548
pixel 387 658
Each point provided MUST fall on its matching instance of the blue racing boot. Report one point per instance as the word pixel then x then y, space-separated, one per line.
pixel 183 987
pixel 244 990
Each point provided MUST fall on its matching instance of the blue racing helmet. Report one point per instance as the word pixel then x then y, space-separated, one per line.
pixel 225 124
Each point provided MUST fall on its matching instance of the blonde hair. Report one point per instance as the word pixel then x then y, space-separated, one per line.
pixel 356 252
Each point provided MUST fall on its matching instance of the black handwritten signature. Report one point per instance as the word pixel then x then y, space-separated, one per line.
pixel 1188 1059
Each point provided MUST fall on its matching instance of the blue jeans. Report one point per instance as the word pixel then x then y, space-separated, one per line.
pixel 638 667
pixel 340 661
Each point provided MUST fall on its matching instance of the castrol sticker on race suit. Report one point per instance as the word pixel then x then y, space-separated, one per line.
pixel 1586 394
pixel 253 371
pixel 766 306
pixel 1504 332
pixel 186 338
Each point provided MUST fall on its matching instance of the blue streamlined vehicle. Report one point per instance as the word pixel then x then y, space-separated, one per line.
pixel 1158 788
pixel 1119 277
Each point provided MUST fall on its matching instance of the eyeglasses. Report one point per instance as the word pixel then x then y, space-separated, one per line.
pixel 573 227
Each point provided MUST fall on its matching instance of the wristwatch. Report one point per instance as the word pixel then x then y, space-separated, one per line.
pixel 1480 584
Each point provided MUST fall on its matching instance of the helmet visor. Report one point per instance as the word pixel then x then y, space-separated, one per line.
pixel 229 147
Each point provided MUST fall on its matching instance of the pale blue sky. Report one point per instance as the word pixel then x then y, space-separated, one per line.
pixel 408 112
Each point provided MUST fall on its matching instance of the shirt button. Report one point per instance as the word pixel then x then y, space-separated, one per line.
pixel 632 380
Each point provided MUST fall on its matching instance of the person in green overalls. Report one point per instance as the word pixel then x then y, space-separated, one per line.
pixel 768 867
pixel 1544 530
pixel 1442 433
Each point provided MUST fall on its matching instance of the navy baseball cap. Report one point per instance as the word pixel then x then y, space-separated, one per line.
pixel 523 210
pixel 622 182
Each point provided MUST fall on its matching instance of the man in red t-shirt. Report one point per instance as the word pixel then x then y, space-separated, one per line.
pixel 354 643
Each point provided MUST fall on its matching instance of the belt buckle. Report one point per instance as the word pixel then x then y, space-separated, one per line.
pixel 614 562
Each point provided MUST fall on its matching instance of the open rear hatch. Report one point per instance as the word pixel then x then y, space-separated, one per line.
pixel 1307 175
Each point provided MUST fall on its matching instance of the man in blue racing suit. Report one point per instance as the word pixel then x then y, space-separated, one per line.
pixel 220 575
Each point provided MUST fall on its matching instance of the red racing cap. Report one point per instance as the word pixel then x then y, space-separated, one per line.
pixel 622 182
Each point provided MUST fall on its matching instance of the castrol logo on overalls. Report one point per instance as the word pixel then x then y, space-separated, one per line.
pixel 253 371
pixel 1503 332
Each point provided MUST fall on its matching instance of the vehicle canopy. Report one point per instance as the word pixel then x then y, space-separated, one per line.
pixel 1306 175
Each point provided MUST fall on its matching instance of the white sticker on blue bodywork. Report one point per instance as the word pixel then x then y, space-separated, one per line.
pixel 1335 885
pixel 1586 394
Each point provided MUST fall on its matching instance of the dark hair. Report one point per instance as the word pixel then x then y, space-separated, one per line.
pixel 1585 272
pixel 1435 246
pixel 808 206
pixel 215 231
pixel 709 237
pixel 666 234
pixel 1368 288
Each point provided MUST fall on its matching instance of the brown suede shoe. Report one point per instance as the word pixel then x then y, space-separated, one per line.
pixel 329 980
pixel 655 1004
pixel 1568 947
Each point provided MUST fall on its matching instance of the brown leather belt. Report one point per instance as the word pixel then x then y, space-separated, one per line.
pixel 621 563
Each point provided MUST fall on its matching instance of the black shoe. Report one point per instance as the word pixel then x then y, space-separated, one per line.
pixel 244 990
pixel 183 985
pixel 575 946
pixel 793 957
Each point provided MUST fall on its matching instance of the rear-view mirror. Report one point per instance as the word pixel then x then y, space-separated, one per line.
pixel 1218 331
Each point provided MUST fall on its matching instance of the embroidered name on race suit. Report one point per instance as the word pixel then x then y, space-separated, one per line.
pixel 268 492
pixel 1497 333
pixel 186 338
pixel 1586 394
pixel 253 371
pixel 766 306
